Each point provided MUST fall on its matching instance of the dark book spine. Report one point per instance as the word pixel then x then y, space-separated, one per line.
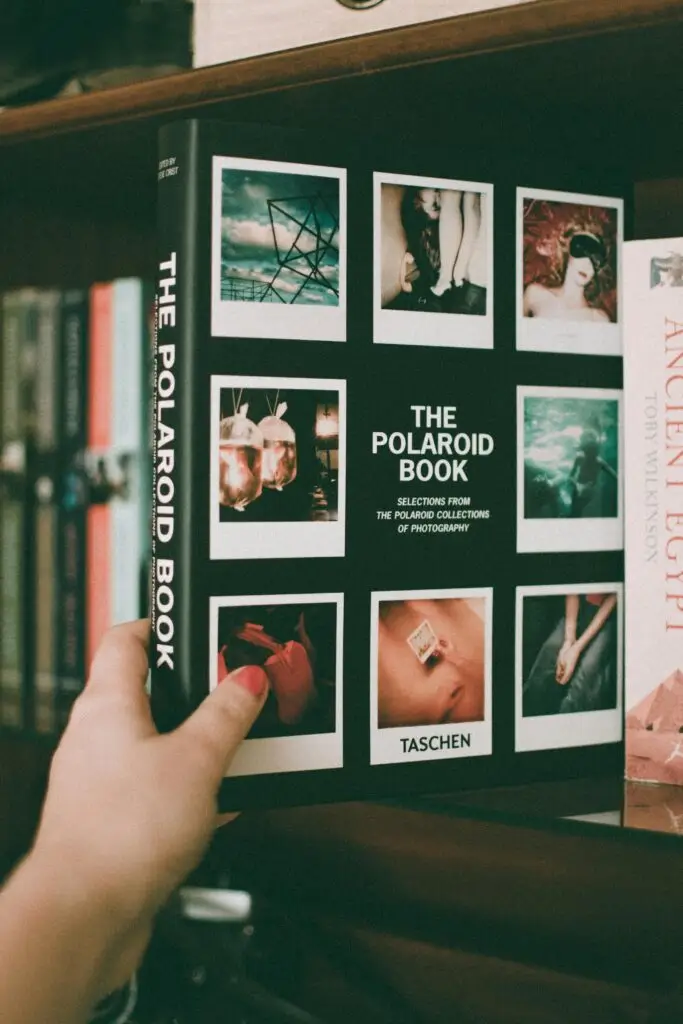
pixel 45 483
pixel 12 487
pixel 172 424
pixel 71 516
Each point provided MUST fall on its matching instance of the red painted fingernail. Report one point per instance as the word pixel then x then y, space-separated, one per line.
pixel 251 678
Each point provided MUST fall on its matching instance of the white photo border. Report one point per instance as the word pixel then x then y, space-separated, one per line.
pixel 569 535
pixel 385 744
pixel 275 321
pixel 228 541
pixel 410 327
pixel 581 728
pixel 280 754
pixel 565 336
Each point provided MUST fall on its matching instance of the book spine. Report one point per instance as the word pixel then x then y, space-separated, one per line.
pixel 45 483
pixel 71 518
pixel 98 457
pixel 147 414
pixel 125 552
pixel 12 465
pixel 173 389
pixel 29 300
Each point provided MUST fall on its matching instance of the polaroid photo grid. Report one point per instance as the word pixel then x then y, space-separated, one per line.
pixel 265 503
pixel 286 753
pixel 430 665
pixel 413 303
pixel 600 665
pixel 278 250
pixel 570 467
pixel 569 272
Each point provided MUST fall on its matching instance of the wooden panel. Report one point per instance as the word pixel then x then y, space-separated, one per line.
pixel 557 898
pixel 530 23
pixel 421 981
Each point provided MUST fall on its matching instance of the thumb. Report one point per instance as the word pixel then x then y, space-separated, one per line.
pixel 224 718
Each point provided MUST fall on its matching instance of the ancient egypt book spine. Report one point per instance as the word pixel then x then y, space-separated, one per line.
pixel 654 503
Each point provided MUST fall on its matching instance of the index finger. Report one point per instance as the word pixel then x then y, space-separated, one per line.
pixel 121 663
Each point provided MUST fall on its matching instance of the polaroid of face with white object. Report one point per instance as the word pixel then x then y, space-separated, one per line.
pixel 569 666
pixel 433 262
pixel 278 250
pixel 278 467
pixel 570 469
pixel 297 640
pixel 569 290
pixel 430 675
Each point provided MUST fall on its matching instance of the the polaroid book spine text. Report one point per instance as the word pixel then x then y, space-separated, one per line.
pixel 172 424
pixel 654 501
pixel 71 523
pixel 45 482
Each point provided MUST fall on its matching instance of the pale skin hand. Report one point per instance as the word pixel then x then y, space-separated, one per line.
pixel 128 815
pixel 572 649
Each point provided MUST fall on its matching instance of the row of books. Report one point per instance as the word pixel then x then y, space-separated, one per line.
pixel 74 490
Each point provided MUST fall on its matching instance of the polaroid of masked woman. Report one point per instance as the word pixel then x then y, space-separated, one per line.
pixel 569 294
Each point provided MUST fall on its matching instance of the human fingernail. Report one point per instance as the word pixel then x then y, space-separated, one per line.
pixel 251 678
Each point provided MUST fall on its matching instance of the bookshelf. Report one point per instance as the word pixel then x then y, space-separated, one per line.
pixel 77 177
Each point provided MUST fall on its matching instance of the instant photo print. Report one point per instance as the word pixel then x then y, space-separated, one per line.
pixel 430 675
pixel 298 642
pixel 569 274
pixel 433 250
pixel 569 666
pixel 278 467
pixel 278 250
pixel 569 469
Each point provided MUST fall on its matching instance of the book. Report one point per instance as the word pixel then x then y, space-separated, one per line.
pixel 72 498
pixel 44 480
pixel 387 475
pixel 654 496
pixel 17 555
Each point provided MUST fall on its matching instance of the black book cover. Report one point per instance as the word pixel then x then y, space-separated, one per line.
pixel 388 458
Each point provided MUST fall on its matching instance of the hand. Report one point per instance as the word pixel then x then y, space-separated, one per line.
pixel 129 813
pixel 408 272
pixel 566 662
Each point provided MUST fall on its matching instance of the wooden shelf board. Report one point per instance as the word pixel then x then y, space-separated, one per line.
pixel 533 23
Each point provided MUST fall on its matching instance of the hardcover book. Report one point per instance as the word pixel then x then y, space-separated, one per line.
pixel 388 460
pixel 654 495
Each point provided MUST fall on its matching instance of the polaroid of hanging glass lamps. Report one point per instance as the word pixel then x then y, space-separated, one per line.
pixel 253 456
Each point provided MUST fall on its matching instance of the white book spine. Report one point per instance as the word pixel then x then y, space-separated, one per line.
pixel 654 503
